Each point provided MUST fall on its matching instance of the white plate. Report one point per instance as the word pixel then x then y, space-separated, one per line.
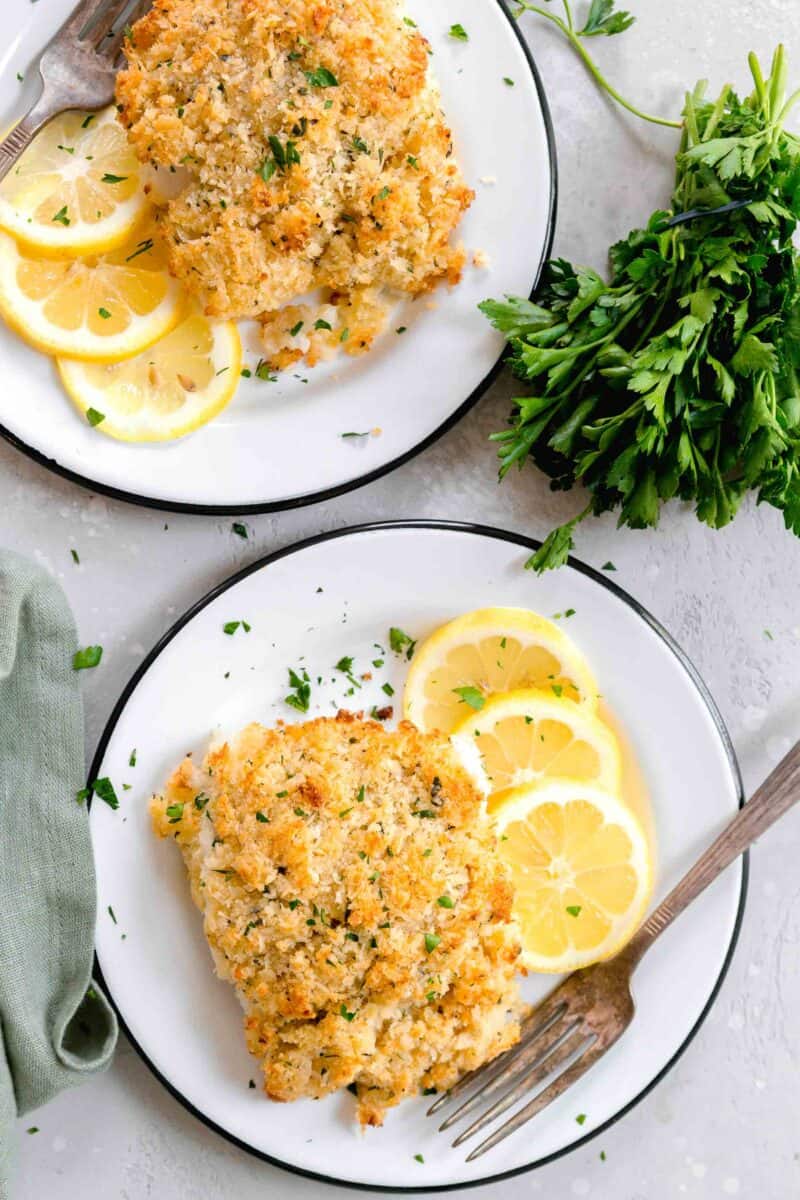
pixel 311 604
pixel 279 444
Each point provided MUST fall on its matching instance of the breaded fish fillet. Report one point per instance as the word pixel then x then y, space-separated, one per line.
pixel 351 892
pixel 316 154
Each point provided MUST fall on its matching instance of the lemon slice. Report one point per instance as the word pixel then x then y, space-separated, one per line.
pixel 168 390
pixel 581 868
pixel 77 188
pixel 529 736
pixel 105 308
pixel 487 651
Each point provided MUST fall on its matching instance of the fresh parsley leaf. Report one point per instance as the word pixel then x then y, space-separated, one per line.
pixel 104 788
pixel 84 660
pixel 458 32
pixel 602 19
pixel 401 642
pixel 471 696
pixel 574 910
pixel 107 178
pixel 239 529
pixel 94 417
pixel 300 696
pixel 321 78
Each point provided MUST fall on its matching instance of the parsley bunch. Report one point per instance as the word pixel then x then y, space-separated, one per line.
pixel 678 377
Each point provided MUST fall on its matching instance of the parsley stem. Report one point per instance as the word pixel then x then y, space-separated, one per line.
pixel 573 37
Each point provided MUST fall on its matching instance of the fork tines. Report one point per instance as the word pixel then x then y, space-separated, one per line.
pixel 553 1040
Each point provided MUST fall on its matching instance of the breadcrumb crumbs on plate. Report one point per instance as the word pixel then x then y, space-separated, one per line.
pixel 324 910
pixel 316 157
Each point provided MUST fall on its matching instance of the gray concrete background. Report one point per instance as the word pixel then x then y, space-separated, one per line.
pixel 726 1121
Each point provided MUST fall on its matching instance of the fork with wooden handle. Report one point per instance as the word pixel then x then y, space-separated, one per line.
pixel 586 1014
pixel 77 68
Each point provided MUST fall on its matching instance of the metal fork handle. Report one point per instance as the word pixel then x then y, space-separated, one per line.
pixel 776 795
pixel 24 132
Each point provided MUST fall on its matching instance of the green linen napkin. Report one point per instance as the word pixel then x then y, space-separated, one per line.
pixel 55 1027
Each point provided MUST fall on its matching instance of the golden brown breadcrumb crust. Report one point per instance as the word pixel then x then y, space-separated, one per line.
pixel 315 152
pixel 351 892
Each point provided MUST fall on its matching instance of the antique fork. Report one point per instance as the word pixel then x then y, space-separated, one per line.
pixel 77 68
pixel 586 1014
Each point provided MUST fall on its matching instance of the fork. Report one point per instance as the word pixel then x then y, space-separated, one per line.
pixel 77 68
pixel 586 1014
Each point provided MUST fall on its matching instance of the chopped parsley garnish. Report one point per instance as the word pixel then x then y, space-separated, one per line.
pixel 432 940
pixel 75 557
pixel 104 788
pixel 401 642
pixel 94 417
pixel 230 627
pixel 283 156
pixel 401 329
pixel 360 145
pixel 239 529
pixel 384 192
pixel 141 248
pixel 300 695
pixel 321 78
pixel 320 324
pixel 458 32
pixel 107 178
pixel 200 801
pixel 104 313
pixel 132 759
pixel 411 159
pixel 408 21
pixel 262 817
pixel 581 1118
pixel 418 1157
pixel 445 902
pixel 557 689
pixel 293 332
pixel 608 566
pixel 344 335
pixel 83 660
pixel 471 696
pixel 574 910
pixel 262 371
pixel 61 216
pixel 111 914
pixel 388 689
pixel 353 434
pixel 175 813
pixel 293 904
pixel 67 149
pixel 507 80
pixel 348 1016
pixel 83 794
pixel 85 123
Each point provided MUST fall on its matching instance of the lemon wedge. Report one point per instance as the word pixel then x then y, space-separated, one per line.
pixel 77 189
pixel 165 392
pixel 529 736
pixel 582 872
pixel 487 651
pixel 102 308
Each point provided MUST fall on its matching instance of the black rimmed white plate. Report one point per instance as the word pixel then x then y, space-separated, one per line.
pixel 278 445
pixel 311 604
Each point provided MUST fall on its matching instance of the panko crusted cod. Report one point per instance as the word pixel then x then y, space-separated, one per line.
pixel 316 156
pixel 351 892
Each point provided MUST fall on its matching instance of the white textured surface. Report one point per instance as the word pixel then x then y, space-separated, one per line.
pixel 725 1122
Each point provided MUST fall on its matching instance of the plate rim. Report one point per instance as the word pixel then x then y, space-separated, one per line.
pixel 358 481
pixel 610 585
